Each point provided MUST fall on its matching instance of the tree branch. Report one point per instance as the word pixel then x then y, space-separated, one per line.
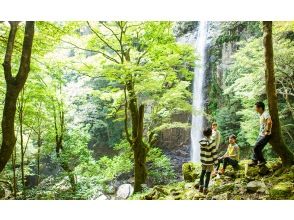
pixel 103 40
pixel 25 60
pixel 95 51
pixel 9 50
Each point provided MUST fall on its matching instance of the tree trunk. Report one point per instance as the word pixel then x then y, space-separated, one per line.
pixel 39 143
pixel 59 133
pixel 277 142
pixel 138 146
pixel 13 87
pixel 13 161
pixel 22 151
pixel 140 153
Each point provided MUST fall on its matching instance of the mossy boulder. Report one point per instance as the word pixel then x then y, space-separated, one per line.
pixel 281 190
pixel 156 193
pixel 256 186
pixel 252 172
pixel 223 188
pixel 223 196
pixel 190 171
pixel 274 165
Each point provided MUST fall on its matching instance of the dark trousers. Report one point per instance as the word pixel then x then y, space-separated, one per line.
pixel 227 161
pixel 206 174
pixel 259 145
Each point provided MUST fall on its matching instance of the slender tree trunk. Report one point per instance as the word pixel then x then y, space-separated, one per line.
pixel 59 133
pixel 14 84
pixel 14 173
pixel 22 151
pixel 39 143
pixel 277 142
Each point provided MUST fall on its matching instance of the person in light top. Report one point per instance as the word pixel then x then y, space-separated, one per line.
pixel 231 157
pixel 264 136
pixel 208 158
pixel 216 135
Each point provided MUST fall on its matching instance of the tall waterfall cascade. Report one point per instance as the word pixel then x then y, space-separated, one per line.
pixel 198 97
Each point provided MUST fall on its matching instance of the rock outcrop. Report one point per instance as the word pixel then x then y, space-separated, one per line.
pixel 246 183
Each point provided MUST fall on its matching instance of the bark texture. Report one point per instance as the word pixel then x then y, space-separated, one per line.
pixel 14 85
pixel 277 142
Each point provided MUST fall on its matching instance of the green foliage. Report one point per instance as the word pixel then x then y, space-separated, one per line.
pixel 244 83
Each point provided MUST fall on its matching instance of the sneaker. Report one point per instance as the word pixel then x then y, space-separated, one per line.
pixel 205 191
pixel 214 173
pixel 252 163
pixel 201 189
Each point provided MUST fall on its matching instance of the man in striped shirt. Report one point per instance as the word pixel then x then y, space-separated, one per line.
pixel 208 157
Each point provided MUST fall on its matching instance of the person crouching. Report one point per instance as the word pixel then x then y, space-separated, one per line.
pixel 208 158
pixel 231 157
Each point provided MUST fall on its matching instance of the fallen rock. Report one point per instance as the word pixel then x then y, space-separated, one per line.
pixel 102 197
pixel 124 191
pixel 281 190
pixel 156 193
pixel 256 186
pixel 223 196
pixel 223 188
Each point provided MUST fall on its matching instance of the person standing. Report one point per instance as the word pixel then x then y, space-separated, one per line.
pixel 264 134
pixel 216 134
pixel 208 157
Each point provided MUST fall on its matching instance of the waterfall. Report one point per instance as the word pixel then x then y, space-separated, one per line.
pixel 198 81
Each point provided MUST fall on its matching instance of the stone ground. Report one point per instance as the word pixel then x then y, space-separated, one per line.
pixel 269 182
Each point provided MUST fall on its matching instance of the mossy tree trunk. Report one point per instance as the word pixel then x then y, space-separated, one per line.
pixel 14 85
pixel 136 138
pixel 121 56
pixel 277 142
pixel 59 125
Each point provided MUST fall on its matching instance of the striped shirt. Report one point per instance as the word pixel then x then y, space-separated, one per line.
pixel 208 154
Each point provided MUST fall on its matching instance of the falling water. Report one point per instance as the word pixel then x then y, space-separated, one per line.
pixel 199 75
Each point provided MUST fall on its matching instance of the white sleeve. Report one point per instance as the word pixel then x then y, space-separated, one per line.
pixel 266 115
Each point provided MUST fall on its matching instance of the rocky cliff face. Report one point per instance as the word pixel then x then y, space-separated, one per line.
pixel 176 142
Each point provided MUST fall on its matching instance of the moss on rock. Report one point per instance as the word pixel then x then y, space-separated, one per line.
pixel 190 171
pixel 277 184
pixel 223 188
pixel 281 190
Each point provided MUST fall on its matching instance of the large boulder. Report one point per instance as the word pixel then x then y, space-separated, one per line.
pixel 256 186
pixel 124 191
pixel 282 190
pixel 190 171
